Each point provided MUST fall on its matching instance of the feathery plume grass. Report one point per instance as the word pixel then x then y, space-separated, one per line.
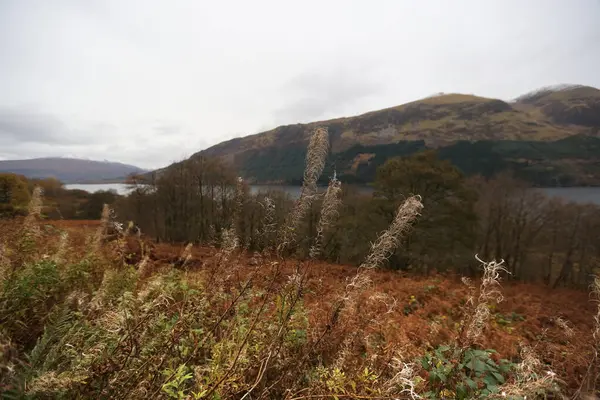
pixel 268 228
pixel 329 212
pixel 4 264
pixel 343 354
pixel 404 378
pixel 591 374
pixel 238 209
pixel 102 228
pixel 31 229
pixel 229 242
pixel 34 210
pixel 389 301
pixel 489 292
pixel 529 364
pixel 596 294
pixel 318 148
pixel 565 326
pixel 387 242
pixel 186 255
pixel 63 245
pixel 212 235
pixel 315 158
pixel 380 251
pixel 468 282
pixel 97 301
pixel 142 267
pixel 530 380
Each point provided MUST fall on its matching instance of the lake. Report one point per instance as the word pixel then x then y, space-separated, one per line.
pixel 120 188
pixel 124 189
pixel 576 194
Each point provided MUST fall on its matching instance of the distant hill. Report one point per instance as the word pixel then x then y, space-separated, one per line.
pixel 503 135
pixel 70 170
pixel 570 104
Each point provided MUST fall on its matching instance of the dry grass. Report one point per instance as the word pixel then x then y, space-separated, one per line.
pixel 384 321
pixel 329 213
pixel 315 162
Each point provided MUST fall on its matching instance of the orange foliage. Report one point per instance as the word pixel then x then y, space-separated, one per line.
pixel 409 314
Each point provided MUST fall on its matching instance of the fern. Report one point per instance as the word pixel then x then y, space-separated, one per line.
pixel 45 354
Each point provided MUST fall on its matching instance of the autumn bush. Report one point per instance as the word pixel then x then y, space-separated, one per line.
pixel 80 319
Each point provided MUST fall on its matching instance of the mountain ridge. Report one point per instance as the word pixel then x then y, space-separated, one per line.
pixel 70 169
pixel 440 121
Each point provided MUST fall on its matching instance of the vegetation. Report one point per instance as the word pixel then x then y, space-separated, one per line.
pixel 565 162
pixel 14 195
pixel 542 240
pixel 100 314
pixel 60 203
pixel 548 138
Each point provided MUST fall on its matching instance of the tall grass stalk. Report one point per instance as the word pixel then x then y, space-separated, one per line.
pixel 388 241
pixel 63 248
pixel 102 229
pixel 31 229
pixel 329 212
pixel 489 292
pixel 4 264
pixel 269 226
pixel 318 148
pixel 589 381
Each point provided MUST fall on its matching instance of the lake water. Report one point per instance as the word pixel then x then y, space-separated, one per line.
pixel 124 189
pixel 120 188
pixel 576 194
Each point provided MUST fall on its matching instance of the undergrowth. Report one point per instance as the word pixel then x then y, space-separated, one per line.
pixel 87 323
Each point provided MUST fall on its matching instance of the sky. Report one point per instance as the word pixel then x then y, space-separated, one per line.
pixel 150 82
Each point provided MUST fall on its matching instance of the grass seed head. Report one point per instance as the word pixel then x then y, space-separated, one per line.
pixel 387 242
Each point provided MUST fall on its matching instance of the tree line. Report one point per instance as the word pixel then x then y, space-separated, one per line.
pixel 564 162
pixel 59 202
pixel 541 239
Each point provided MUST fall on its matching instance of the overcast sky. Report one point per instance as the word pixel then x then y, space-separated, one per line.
pixel 149 82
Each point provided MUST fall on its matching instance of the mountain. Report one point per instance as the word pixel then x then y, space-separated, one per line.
pixel 544 133
pixel 70 170
pixel 569 104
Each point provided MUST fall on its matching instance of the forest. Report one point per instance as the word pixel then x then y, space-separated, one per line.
pixel 541 239
pixel 565 162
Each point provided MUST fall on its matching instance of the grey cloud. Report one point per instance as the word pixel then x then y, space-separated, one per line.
pixel 168 129
pixel 23 125
pixel 167 79
pixel 29 125
pixel 26 132
pixel 25 150
pixel 319 94
pixel 155 145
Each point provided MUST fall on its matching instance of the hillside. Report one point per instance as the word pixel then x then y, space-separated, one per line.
pixel 69 170
pixel 456 124
pixel 571 104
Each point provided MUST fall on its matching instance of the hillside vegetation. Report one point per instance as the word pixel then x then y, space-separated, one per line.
pixel 455 124
pixel 96 310
pixel 542 239
pixel 59 203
